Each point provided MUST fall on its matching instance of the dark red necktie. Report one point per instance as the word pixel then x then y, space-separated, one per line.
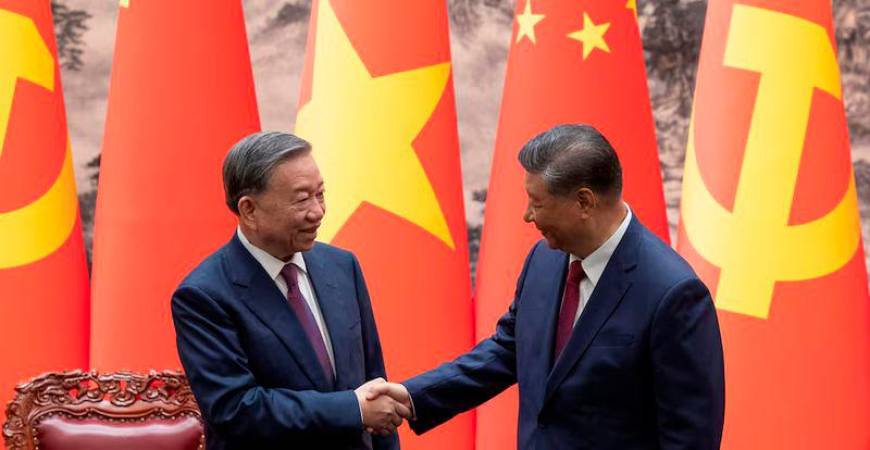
pixel 570 303
pixel 306 318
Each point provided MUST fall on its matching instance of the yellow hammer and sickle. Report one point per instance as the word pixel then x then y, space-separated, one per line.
pixel 36 230
pixel 753 245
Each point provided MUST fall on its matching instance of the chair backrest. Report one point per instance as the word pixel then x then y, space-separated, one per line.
pixel 90 411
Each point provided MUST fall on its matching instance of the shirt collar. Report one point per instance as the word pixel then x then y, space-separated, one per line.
pixel 271 264
pixel 596 262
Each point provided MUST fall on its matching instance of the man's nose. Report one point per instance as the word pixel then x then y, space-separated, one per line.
pixel 528 217
pixel 316 212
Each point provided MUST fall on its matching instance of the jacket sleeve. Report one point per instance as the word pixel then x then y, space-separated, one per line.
pixel 374 358
pixel 232 402
pixel 688 369
pixel 471 379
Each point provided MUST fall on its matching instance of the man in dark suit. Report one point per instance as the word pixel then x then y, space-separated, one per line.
pixel 275 331
pixel 611 336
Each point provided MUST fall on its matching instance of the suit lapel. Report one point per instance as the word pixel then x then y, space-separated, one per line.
pixel 334 307
pixel 547 292
pixel 608 293
pixel 264 298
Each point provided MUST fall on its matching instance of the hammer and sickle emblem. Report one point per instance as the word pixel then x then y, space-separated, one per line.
pixel 36 230
pixel 753 245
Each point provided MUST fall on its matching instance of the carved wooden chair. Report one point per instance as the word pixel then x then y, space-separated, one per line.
pixel 91 411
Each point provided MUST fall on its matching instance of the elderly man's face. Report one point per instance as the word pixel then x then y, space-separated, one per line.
pixel 558 218
pixel 289 211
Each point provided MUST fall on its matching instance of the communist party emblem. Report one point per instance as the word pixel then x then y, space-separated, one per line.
pixel 768 194
pixel 35 227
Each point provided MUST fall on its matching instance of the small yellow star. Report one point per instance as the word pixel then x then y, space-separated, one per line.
pixel 632 5
pixel 591 35
pixel 125 3
pixel 526 22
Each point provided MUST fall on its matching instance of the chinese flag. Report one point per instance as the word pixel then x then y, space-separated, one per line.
pixel 377 105
pixel 770 222
pixel 569 62
pixel 181 95
pixel 43 273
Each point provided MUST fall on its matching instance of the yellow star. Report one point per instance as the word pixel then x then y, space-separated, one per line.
pixel 125 3
pixel 632 5
pixel 526 22
pixel 362 129
pixel 591 35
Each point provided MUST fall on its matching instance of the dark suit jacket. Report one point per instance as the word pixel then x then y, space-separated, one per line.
pixel 642 370
pixel 254 374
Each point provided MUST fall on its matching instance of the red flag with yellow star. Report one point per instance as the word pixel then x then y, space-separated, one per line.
pixel 43 273
pixel 569 62
pixel 770 222
pixel 181 94
pixel 377 105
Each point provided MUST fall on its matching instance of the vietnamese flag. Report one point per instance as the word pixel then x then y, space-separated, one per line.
pixel 377 104
pixel 43 272
pixel 770 222
pixel 569 62
pixel 181 94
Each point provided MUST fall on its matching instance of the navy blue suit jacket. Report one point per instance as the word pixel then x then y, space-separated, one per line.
pixel 253 372
pixel 642 370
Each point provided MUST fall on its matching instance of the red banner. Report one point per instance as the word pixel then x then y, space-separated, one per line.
pixel 43 272
pixel 181 94
pixel 770 221
pixel 569 62
pixel 377 105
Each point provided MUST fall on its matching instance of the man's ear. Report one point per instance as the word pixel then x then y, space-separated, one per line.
pixel 247 211
pixel 586 200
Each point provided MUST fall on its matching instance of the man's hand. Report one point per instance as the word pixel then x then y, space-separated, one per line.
pixel 381 413
pixel 395 391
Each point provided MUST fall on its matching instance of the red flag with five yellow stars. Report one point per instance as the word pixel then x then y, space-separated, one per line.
pixel 377 105
pixel 770 222
pixel 43 274
pixel 569 62
pixel 181 94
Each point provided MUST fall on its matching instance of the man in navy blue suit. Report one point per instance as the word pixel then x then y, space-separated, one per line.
pixel 275 331
pixel 611 336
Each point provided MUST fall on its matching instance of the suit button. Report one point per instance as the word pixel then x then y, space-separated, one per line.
pixel 542 423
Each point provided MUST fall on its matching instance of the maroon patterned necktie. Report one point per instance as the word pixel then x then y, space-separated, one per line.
pixel 570 303
pixel 306 318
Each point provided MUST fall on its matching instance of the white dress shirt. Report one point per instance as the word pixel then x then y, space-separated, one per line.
pixel 596 262
pixel 273 266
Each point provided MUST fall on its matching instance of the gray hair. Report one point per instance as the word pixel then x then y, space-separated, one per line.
pixel 570 157
pixel 251 161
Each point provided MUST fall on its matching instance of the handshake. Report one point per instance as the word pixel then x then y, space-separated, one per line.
pixel 383 406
